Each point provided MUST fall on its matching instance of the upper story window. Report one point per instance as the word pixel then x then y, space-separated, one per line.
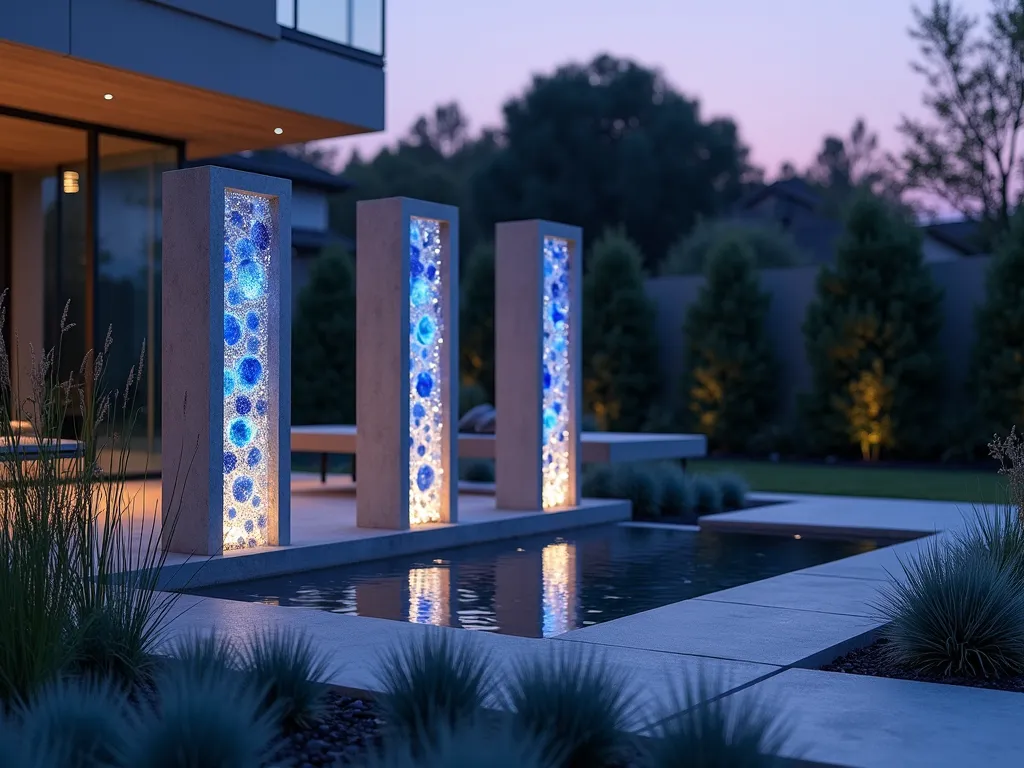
pixel 356 23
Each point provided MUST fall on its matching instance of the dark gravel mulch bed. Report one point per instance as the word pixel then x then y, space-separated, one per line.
pixel 872 661
pixel 348 728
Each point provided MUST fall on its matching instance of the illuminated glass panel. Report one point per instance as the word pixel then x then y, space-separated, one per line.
pixel 428 596
pixel 426 339
pixel 556 454
pixel 248 237
pixel 558 569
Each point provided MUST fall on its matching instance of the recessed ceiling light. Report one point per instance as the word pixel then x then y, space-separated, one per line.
pixel 108 96
pixel 279 131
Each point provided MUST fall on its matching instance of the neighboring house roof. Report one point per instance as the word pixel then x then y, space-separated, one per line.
pixel 964 235
pixel 797 190
pixel 273 162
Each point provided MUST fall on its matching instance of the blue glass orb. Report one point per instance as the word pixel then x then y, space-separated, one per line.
pixel 235 297
pixel 421 450
pixel 431 272
pixel 547 378
pixel 245 205
pixel 232 330
pixel 559 344
pixel 252 543
pixel 230 462
pixel 240 541
pixel 261 521
pixel 232 513
pixel 260 235
pixel 255 501
pixel 249 526
pixel 227 254
pixel 241 432
pixel 424 384
pixel 241 489
pixel 249 372
pixel 550 419
pixel 556 289
pixel 251 279
pixel 557 315
pixel 425 330
pixel 245 250
pixel 415 265
pixel 418 411
pixel 252 345
pixel 261 407
pixel 419 293
pixel 557 407
pixel 236 219
pixel 243 405
pixel 424 478
pixel 229 383
pixel 548 269
pixel 255 457
pixel 252 321
pixel 228 276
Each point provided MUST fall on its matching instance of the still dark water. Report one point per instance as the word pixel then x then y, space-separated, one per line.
pixel 546 585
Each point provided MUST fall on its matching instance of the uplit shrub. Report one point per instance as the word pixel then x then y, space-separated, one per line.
pixel 471 745
pixel 597 481
pixel 292 671
pixel 704 731
pixel 733 489
pixel 439 680
pixel 576 705
pixel 478 471
pixel 677 498
pixel 707 494
pixel 78 721
pixel 201 721
pixel 640 485
pixel 955 614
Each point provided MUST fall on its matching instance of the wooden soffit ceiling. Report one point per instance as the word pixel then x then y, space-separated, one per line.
pixel 211 123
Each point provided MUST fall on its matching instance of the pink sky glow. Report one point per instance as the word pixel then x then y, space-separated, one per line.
pixel 788 71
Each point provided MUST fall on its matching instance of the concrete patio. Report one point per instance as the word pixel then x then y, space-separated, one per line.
pixel 761 639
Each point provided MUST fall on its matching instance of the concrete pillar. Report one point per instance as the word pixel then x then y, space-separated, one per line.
pixel 538 294
pixel 226 360
pixel 407 387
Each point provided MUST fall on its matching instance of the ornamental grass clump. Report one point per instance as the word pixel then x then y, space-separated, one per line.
pixel 996 534
pixel 199 654
pixel 201 720
pixel 473 744
pixel 78 721
pixel 640 486
pixel 576 705
pixel 733 489
pixel 954 614
pixel 704 730
pixel 676 493
pixel 439 680
pixel 707 494
pixel 292 671
pixel 79 554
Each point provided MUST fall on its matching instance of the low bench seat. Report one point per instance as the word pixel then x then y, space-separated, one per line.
pixel 597 447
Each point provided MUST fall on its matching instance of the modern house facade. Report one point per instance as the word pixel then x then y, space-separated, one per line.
pixel 99 97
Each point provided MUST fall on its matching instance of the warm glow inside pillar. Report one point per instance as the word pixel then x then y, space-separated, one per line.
pixel 537 364
pixel 226 360
pixel 406 362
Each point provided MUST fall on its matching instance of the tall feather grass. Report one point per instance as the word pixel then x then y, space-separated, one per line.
pixel 78 570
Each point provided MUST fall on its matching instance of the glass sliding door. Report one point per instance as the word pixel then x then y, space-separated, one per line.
pixel 128 284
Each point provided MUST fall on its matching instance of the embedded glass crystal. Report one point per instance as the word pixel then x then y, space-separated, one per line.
pixel 557 376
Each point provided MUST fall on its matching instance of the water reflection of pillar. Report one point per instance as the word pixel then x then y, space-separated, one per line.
pixel 431 596
pixel 558 565
pixel 382 598
pixel 517 594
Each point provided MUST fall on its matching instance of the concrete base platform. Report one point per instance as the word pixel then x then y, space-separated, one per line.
pixel 324 534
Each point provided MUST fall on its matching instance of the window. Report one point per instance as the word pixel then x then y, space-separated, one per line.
pixel 356 23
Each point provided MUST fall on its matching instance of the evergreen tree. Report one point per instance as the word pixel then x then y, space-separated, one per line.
pixel 620 352
pixel 730 384
pixel 324 343
pixel 476 342
pixel 998 370
pixel 871 336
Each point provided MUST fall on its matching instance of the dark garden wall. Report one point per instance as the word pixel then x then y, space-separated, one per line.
pixel 962 283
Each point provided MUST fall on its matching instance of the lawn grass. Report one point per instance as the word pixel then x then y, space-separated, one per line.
pixel 938 484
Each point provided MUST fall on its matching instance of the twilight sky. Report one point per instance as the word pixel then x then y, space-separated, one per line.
pixel 788 71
